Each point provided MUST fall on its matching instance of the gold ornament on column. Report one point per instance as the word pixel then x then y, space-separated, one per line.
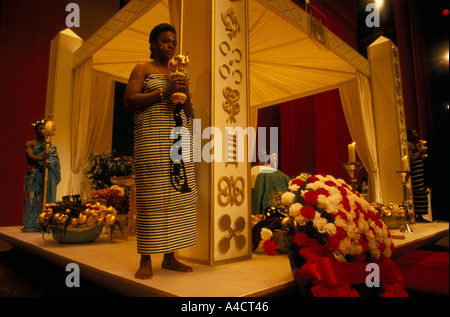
pixel 176 67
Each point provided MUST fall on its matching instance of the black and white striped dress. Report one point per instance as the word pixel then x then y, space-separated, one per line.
pixel 420 196
pixel 166 218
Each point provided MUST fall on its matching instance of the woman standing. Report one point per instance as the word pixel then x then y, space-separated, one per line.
pixel 166 216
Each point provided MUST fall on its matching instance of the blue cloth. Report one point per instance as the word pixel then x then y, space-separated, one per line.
pixel 34 186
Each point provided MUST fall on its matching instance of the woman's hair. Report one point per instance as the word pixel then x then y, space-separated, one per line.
pixel 163 27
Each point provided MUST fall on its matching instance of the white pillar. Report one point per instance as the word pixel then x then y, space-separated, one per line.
pixel 216 35
pixel 389 117
pixel 59 99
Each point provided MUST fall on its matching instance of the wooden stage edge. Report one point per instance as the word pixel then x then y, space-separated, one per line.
pixel 113 264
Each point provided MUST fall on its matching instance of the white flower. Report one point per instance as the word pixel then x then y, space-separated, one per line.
pixel 294 187
pixel 320 223
pixel 322 202
pixel 338 221
pixel 266 234
pixel 330 228
pixel 356 249
pixel 300 220
pixel 304 176
pixel 294 210
pixel 363 226
pixel 314 186
pixel 372 246
pixel 345 245
pixel 387 251
pixel 287 198
pixel 351 229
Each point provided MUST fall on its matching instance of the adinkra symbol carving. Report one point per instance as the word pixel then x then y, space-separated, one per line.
pixel 233 233
pixel 233 194
pixel 230 104
pixel 231 23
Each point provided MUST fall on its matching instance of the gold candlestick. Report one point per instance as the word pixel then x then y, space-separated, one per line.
pixel 409 212
pixel 353 169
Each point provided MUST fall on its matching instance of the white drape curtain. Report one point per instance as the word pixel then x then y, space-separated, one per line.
pixel 175 19
pixel 91 121
pixel 357 105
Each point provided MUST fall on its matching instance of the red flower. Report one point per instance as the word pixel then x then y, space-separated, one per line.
pixel 330 183
pixel 346 204
pixel 341 214
pixel 343 191
pixel 309 254
pixel 333 243
pixel 388 287
pixel 319 291
pixel 322 191
pixel 298 182
pixel 394 290
pixel 392 247
pixel 308 212
pixel 360 258
pixel 316 246
pixel 310 198
pixel 340 233
pixel 313 179
pixel 363 243
pixel 382 247
pixel 270 247
pixel 340 291
pixel 301 239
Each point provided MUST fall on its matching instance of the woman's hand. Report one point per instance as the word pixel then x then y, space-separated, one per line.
pixel 179 84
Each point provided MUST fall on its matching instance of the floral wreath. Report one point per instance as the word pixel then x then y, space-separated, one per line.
pixel 332 233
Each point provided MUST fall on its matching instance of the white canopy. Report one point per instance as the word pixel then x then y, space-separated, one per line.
pixel 285 64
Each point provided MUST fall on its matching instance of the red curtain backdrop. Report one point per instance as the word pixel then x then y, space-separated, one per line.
pixel 26 31
pixel 298 144
pixel 414 65
pixel 314 136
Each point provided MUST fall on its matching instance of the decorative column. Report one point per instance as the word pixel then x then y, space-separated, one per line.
pixel 219 83
pixel 59 99
pixel 389 115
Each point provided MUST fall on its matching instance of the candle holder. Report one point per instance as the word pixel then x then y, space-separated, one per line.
pixel 409 212
pixel 353 169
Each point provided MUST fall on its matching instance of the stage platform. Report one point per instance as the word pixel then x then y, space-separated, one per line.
pixel 113 264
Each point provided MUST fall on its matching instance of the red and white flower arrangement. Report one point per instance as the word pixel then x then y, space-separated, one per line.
pixel 329 220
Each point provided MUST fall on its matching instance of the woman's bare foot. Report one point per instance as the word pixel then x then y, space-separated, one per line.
pixel 170 263
pixel 145 271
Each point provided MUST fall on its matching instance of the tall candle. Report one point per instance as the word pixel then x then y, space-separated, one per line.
pixel 351 152
pixel 405 163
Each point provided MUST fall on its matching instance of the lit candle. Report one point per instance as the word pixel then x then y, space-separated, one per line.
pixel 405 163
pixel 351 152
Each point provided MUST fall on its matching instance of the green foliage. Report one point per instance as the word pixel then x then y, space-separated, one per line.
pixel 106 165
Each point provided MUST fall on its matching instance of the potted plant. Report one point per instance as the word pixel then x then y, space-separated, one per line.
pixel 106 165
